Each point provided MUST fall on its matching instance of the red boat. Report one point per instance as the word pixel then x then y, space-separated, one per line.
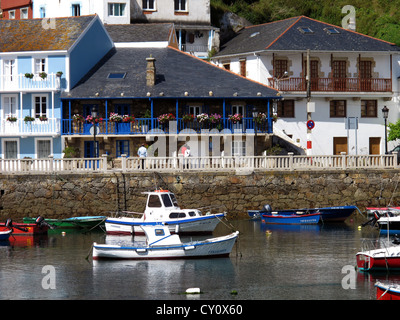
pixel 40 227
pixel 387 292
pixel 384 259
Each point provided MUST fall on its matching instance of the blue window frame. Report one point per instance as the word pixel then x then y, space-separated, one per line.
pixel 89 149
pixel 122 147
pixel 122 109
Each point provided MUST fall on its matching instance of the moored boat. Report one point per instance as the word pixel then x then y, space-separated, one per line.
pixel 383 259
pixel 328 214
pixel 84 222
pixel 161 244
pixel 162 206
pixel 37 228
pixel 5 234
pixel 387 291
pixel 291 218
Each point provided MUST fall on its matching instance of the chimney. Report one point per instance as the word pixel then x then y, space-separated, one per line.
pixel 150 72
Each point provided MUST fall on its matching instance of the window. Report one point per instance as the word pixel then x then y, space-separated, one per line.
pixel 40 65
pixel 238 109
pixel 43 148
pixel 280 67
pixel 9 106
pixel 337 108
pixel 11 14
pixel 286 109
pixel 180 5
pixel 166 200
pixel 159 232
pixel 305 30
pixel 238 148
pixel 76 10
pixel 195 110
pixel 122 147
pixel 40 105
pixel 116 75
pixel 10 148
pixel 42 12
pixel 24 13
pixel 369 108
pixel 9 69
pixel 242 63
pixel 154 201
pixel 116 9
pixel 331 30
pixel 174 215
pixel 148 5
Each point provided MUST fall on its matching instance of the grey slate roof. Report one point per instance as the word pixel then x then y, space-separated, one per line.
pixel 285 35
pixel 177 73
pixel 38 35
pixel 139 32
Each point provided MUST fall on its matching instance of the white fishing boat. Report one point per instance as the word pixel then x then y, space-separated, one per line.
pixel 161 244
pixel 161 206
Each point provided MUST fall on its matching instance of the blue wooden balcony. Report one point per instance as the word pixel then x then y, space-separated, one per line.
pixel 150 125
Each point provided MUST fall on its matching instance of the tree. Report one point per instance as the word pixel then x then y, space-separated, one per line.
pixel 394 131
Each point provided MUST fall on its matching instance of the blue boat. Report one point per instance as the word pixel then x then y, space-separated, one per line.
pixel 328 214
pixel 5 234
pixel 288 217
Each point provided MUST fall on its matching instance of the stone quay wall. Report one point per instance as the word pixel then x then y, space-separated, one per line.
pixel 67 195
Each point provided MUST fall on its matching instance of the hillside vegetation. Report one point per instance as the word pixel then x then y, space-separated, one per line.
pixel 376 18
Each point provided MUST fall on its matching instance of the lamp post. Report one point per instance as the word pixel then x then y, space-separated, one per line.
pixel 385 112
pixel 94 116
pixel 255 114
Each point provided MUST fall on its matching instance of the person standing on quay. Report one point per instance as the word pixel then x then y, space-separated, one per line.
pixel 142 153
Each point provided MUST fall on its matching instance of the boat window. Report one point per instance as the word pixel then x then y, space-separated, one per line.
pixel 159 232
pixel 192 213
pixel 174 215
pixel 173 199
pixel 154 201
pixel 166 200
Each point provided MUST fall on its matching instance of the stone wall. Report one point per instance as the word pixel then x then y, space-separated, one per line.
pixel 66 195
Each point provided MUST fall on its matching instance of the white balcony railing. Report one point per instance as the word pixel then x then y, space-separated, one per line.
pixel 238 164
pixel 20 82
pixel 37 127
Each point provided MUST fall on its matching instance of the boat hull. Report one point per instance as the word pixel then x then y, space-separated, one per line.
pixel 387 292
pixel 379 259
pixel 73 223
pixel 4 235
pixel 291 218
pixel 198 225
pixel 29 229
pixel 328 214
pixel 211 248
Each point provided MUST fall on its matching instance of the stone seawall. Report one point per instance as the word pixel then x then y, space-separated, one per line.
pixel 66 195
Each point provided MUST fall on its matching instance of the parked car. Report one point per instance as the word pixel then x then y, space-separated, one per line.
pixel 396 149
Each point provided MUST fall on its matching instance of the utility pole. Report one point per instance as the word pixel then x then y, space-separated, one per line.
pixel 308 82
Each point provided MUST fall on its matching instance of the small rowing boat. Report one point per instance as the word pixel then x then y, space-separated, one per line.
pixel 84 222
pixel 387 291
pixel 161 244
pixel 4 235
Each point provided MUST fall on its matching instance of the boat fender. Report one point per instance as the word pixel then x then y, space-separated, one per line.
pixel 8 223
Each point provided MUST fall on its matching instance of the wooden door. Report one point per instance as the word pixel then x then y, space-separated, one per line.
pixel 339 75
pixel 339 145
pixel 374 145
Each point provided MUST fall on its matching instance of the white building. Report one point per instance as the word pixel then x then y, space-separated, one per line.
pixel 352 77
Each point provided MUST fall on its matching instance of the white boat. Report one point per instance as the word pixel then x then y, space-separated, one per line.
pixel 161 244
pixel 161 206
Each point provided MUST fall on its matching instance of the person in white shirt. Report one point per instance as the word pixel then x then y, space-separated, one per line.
pixel 142 153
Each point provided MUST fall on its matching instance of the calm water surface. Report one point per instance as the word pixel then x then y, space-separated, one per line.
pixel 268 263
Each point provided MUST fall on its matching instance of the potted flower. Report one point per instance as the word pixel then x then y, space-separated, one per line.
pixel 59 74
pixel 235 118
pixel 215 118
pixel 165 118
pixel 43 118
pixel 29 75
pixel 115 117
pixel 28 119
pixel 93 120
pixel 261 117
pixel 11 119
pixel 43 75
pixel 128 118
pixel 78 118
pixel 202 118
pixel 188 118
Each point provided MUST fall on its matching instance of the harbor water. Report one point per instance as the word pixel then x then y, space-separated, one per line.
pixel 267 263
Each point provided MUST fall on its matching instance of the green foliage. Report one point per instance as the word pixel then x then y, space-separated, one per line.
pixel 394 131
pixel 376 18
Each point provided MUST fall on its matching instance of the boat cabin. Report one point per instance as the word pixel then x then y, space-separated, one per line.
pixel 162 204
pixel 159 235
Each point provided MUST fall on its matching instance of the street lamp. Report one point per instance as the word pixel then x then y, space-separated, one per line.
pixel 385 112
pixel 255 114
pixel 94 116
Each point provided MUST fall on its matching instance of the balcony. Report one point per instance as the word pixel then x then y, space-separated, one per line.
pixel 150 125
pixel 332 84
pixel 30 128
pixel 16 83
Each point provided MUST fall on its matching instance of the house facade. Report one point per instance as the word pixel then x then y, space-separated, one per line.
pixel 37 63
pixel 16 9
pixel 352 77
pixel 147 94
